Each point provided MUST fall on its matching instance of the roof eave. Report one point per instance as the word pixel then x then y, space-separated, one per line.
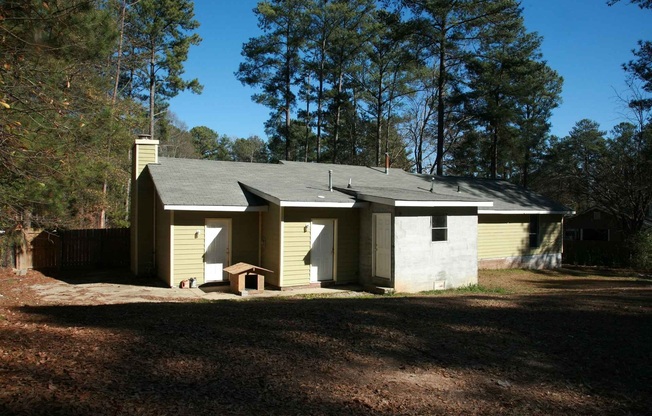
pixel 217 208
pixel 523 211
pixel 424 204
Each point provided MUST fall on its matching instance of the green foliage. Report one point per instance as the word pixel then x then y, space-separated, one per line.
pixel 158 37
pixel 54 104
pixel 640 245
pixel 251 149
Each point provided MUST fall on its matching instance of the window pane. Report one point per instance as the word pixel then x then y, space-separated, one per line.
pixel 439 234
pixel 438 221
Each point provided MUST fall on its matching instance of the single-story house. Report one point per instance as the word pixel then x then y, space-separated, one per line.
pixel 316 224
pixel 593 237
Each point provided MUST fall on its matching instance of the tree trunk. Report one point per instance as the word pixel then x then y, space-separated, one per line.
pixel 114 98
pixel 494 152
pixel 152 91
pixel 441 119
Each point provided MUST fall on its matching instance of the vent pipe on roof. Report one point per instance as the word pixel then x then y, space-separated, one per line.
pixel 386 163
pixel 330 180
pixel 349 186
pixel 432 183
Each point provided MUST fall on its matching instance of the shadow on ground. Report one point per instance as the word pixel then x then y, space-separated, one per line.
pixel 113 276
pixel 580 353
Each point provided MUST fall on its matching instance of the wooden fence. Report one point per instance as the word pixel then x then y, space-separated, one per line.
pixel 77 249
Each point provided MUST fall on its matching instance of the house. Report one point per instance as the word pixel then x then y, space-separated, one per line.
pixel 316 224
pixel 593 237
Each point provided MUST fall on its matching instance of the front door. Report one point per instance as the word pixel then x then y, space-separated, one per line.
pixel 322 250
pixel 383 245
pixel 217 241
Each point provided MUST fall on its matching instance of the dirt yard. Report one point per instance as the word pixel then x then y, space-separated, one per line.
pixel 575 342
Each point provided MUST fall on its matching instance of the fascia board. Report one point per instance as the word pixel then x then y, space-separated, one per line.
pixel 216 208
pixel 426 204
pixel 523 211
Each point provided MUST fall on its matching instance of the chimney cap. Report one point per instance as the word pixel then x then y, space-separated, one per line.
pixel 145 136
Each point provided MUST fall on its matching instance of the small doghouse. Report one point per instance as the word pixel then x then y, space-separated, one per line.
pixel 246 279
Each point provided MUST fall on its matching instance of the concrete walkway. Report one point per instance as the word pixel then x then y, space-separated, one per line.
pixel 100 291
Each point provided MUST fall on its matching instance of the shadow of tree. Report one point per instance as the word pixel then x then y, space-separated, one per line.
pixel 339 356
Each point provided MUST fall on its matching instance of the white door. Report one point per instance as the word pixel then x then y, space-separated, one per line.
pixel 383 245
pixel 322 250
pixel 217 241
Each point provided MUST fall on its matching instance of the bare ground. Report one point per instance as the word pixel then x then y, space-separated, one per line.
pixel 566 342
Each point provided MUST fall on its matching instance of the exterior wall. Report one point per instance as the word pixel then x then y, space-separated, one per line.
pixel 365 244
pixel 422 264
pixel 503 241
pixel 189 247
pixel 142 207
pixel 296 254
pixel 296 244
pixel 143 233
pixel 271 243
pixel 163 240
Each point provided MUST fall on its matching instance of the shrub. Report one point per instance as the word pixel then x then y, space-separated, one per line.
pixel 641 250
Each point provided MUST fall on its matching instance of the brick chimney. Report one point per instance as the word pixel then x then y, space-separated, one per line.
pixel 145 151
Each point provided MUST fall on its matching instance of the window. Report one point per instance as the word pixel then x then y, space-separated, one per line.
pixel 439 225
pixel 592 234
pixel 534 231
pixel 570 234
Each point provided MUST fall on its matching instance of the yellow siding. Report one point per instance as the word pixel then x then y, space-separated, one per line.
pixel 271 241
pixel 189 248
pixel 296 242
pixel 551 232
pixel 188 253
pixel 163 242
pixel 508 236
pixel 146 154
pixel 296 262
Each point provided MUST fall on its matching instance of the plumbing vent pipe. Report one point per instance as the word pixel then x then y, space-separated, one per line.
pixel 386 163
pixel 350 186
pixel 330 180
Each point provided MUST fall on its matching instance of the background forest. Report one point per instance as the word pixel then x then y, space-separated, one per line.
pixel 444 87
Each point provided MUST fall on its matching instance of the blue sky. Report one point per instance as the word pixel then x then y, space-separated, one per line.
pixel 585 41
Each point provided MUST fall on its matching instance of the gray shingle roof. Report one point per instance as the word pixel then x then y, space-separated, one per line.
pixel 190 182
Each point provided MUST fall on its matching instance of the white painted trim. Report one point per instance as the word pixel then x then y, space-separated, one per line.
pixel 171 282
pixel 303 204
pixel 443 204
pixel 281 244
pixel 524 211
pixel 216 208
pixel 229 244
pixel 312 220
pixel 403 203
pixel 146 141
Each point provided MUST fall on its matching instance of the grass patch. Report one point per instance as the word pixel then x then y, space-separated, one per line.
pixel 474 289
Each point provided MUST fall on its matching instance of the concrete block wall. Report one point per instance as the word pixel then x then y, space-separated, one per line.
pixel 422 264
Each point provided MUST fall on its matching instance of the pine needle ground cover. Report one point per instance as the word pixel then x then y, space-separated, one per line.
pixel 570 342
